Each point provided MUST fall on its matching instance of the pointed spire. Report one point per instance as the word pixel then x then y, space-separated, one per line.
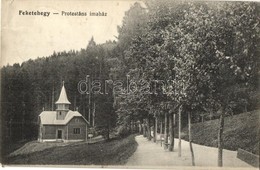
pixel 63 96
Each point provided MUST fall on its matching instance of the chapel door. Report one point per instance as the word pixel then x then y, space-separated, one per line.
pixel 59 134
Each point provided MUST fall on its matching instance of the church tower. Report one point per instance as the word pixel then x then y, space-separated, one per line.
pixel 62 104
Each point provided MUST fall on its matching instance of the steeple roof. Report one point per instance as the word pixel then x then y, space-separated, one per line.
pixel 63 96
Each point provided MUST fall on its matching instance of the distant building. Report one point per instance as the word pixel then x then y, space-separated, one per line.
pixel 63 124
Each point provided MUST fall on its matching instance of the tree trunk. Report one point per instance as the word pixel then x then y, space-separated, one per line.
pixel 174 121
pixel 154 129
pixel 132 126
pixel 148 129
pixel 144 130
pixel 161 128
pixel 10 128
pixel 245 109
pixel 179 152
pixel 171 131
pixel 190 140
pixel 108 130
pixel 220 140
pixel 140 128
pixel 22 128
pixel 166 132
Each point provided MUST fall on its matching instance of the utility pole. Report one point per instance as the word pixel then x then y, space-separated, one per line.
pixel 52 98
pixel 75 102
pixel 89 109
pixel 93 116
pixel 82 105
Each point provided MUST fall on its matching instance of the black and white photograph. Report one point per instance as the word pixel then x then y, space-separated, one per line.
pixel 139 84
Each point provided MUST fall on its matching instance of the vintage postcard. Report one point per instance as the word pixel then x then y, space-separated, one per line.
pixel 130 84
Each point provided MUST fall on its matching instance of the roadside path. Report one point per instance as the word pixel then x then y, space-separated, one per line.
pixel 150 154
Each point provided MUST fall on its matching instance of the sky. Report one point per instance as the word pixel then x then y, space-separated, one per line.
pixel 27 37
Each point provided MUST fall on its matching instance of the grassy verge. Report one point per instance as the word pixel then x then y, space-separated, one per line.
pixel 240 131
pixel 114 152
pixel 10 147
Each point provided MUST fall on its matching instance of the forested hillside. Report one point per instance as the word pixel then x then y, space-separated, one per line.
pixel 200 60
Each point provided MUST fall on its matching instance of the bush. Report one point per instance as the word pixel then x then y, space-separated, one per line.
pixel 123 131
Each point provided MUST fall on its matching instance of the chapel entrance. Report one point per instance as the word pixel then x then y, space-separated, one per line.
pixel 59 136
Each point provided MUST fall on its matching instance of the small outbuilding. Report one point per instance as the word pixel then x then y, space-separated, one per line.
pixel 63 124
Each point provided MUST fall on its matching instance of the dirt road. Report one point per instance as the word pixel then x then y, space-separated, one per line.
pixel 150 154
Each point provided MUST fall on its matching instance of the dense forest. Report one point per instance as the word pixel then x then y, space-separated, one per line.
pixel 203 58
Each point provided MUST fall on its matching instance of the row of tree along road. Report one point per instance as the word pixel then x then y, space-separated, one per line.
pixel 205 55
